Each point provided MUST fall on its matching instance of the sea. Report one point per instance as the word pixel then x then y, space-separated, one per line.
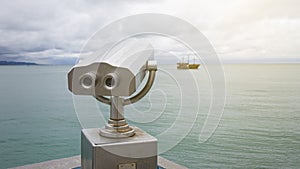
pixel 259 126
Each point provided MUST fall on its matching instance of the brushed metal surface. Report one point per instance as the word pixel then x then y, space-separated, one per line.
pixel 98 152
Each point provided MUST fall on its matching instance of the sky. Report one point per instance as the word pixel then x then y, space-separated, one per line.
pixel 54 31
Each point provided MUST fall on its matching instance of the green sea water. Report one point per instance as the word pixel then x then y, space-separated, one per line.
pixel 260 127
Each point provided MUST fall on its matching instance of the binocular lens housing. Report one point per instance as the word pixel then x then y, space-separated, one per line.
pixel 87 81
pixel 110 81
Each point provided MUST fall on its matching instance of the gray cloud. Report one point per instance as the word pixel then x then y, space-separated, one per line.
pixel 35 29
pixel 28 27
pixel 51 31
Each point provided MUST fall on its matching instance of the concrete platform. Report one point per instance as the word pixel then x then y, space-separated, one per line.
pixel 74 162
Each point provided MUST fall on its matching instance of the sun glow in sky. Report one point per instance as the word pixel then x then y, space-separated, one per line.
pixel 53 31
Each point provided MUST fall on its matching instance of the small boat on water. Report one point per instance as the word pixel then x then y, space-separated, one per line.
pixel 194 66
pixel 182 65
pixel 187 65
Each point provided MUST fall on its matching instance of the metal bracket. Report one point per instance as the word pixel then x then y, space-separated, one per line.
pixel 117 126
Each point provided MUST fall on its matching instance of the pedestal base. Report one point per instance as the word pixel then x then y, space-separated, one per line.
pixel 136 152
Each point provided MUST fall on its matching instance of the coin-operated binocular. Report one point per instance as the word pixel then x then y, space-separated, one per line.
pixel 114 80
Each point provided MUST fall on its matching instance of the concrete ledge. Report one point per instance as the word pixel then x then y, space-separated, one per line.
pixel 73 162
pixel 63 163
pixel 168 164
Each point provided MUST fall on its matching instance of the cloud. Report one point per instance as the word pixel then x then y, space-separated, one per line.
pixel 34 30
pixel 267 29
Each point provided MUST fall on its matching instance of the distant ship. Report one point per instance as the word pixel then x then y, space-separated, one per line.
pixel 194 66
pixel 187 65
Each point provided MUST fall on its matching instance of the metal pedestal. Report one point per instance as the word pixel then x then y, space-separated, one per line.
pixel 136 152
